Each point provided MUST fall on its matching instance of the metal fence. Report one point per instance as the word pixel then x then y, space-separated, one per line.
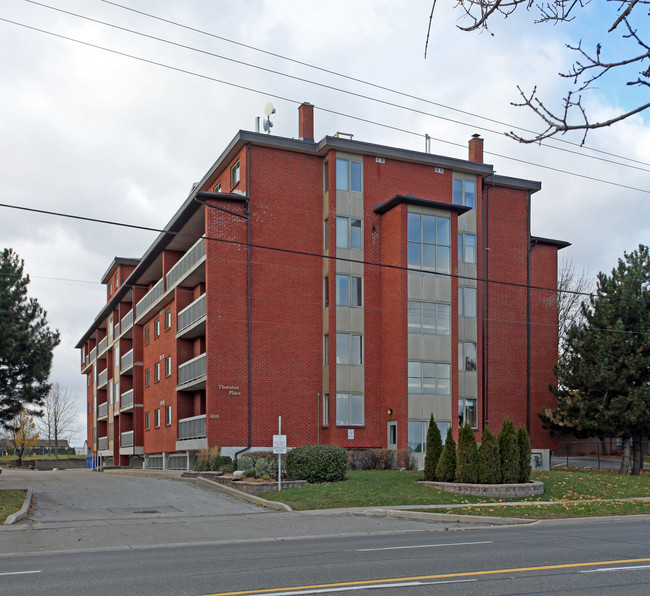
pixel 150 298
pixel 191 258
pixel 191 428
pixel 191 370
pixel 126 439
pixel 192 313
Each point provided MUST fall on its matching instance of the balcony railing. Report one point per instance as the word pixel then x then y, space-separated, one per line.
pixel 102 410
pixel 126 439
pixel 150 298
pixel 192 313
pixel 102 443
pixel 93 354
pixel 126 361
pixel 191 370
pixel 103 346
pixel 127 321
pixel 102 378
pixel 190 258
pixel 126 399
pixel 191 428
pixel 116 330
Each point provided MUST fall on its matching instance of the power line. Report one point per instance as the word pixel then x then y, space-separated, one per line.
pixel 377 86
pixel 290 100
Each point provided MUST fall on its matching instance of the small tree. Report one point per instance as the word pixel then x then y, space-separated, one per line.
pixel 24 434
pixel 509 451
pixel 446 470
pixel 59 416
pixel 467 464
pixel 523 441
pixel 489 459
pixel 434 449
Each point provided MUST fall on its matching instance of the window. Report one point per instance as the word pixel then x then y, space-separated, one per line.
pixel 110 288
pixel 428 242
pixel 326 237
pixel 147 420
pixel 467 248
pixel 156 372
pixel 467 356
pixel 429 378
pixel 146 377
pixel 464 192
pixel 168 319
pixel 349 409
pixel 168 415
pixel 168 366
pixel 467 412
pixel 117 393
pixel 348 175
pixel 156 417
pixel 326 292
pixel 326 409
pixel 116 280
pixel 234 175
pixel 110 391
pixel 146 335
pixel 348 290
pixel 429 317
pixel 417 440
pixel 348 232
pixel 326 176
pixel 326 350
pixel 349 348
pixel 156 328
pixel 217 187
pixel 467 302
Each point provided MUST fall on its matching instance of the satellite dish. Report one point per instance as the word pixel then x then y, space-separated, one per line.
pixel 269 109
pixel 267 124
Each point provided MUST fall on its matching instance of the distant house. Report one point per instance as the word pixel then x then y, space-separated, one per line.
pixel 43 447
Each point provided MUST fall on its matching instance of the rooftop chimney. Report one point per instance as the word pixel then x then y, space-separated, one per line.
pixel 476 148
pixel 306 121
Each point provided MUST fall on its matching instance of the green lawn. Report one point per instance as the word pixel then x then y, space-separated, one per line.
pixel 380 488
pixel 10 502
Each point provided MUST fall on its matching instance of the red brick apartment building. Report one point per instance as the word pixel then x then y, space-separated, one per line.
pixel 353 289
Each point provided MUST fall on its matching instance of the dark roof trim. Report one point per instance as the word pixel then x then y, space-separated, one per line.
pixel 411 200
pixel 119 261
pixel 560 244
pixel 517 183
pixel 221 196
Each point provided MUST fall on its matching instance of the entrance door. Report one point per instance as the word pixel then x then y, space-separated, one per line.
pixel 392 435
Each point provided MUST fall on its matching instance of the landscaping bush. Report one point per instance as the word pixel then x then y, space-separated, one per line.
pixel 434 449
pixel 267 466
pixel 523 441
pixel 219 462
pixel 446 470
pixel 379 459
pixel 509 452
pixel 489 459
pixel 250 473
pixel 407 460
pixel 467 460
pixel 201 466
pixel 244 463
pixel 228 469
pixel 317 463
pixel 356 459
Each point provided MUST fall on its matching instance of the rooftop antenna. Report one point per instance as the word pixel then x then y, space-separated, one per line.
pixel 268 110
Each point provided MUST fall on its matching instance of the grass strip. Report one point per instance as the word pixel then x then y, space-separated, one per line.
pixel 10 502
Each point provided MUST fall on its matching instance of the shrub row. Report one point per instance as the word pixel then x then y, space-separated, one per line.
pixel 381 459
pixel 499 460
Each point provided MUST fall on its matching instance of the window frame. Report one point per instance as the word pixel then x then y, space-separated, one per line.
pixel 168 415
pixel 156 372
pixel 147 420
pixel 147 335
pixel 353 343
pixel 235 174
pixel 419 326
pixel 326 409
pixel 156 418
pixel 168 366
pixel 463 355
pixel 352 241
pixel 461 195
pixel 429 374
pixel 428 248
pixel 464 294
pixel 463 250
pixel 352 179
pixel 350 408
pixel 354 288
pixel 156 328
pixel 466 405
pixel 168 318
pixel 147 377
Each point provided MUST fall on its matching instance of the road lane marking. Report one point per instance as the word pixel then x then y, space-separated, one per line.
pixel 420 578
pixel 365 550
pixel 18 572
pixel 373 587
pixel 604 569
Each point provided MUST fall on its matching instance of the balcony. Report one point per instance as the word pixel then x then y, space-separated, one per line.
pixel 191 374
pixel 102 347
pixel 116 330
pixel 127 321
pixel 190 260
pixel 191 433
pixel 126 400
pixel 93 355
pixel 102 411
pixel 102 379
pixel 149 301
pixel 126 362
pixel 128 446
pixel 102 443
pixel 191 320
pixel 126 439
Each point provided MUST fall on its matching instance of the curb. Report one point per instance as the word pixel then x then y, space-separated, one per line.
pixel 237 494
pixel 450 517
pixel 15 517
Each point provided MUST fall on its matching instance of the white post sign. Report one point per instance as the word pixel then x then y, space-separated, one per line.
pixel 279 447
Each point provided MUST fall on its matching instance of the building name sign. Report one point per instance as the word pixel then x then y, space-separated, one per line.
pixel 231 389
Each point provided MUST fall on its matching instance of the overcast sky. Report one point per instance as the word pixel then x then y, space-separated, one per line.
pixel 95 133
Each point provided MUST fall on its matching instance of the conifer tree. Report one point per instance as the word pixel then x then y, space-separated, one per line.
pixel 489 459
pixel 467 463
pixel 446 470
pixel 434 449
pixel 26 342
pixel 523 441
pixel 509 452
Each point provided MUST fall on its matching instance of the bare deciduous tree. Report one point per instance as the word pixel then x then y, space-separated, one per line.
pixel 573 288
pixel 629 26
pixel 58 421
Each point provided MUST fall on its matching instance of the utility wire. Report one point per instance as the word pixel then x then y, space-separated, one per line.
pixel 290 100
pixel 374 85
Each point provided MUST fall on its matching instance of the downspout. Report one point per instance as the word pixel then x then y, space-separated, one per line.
pixel 528 325
pixel 485 269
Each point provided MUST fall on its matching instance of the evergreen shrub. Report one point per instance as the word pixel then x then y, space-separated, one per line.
pixel 467 460
pixel 244 463
pixel 217 463
pixel 446 470
pixel 489 459
pixel 317 463
pixel 433 450
pixel 509 452
pixel 523 441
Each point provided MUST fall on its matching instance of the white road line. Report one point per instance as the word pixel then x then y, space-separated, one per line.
pixel 364 550
pixel 606 569
pixel 18 572
pixel 367 587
